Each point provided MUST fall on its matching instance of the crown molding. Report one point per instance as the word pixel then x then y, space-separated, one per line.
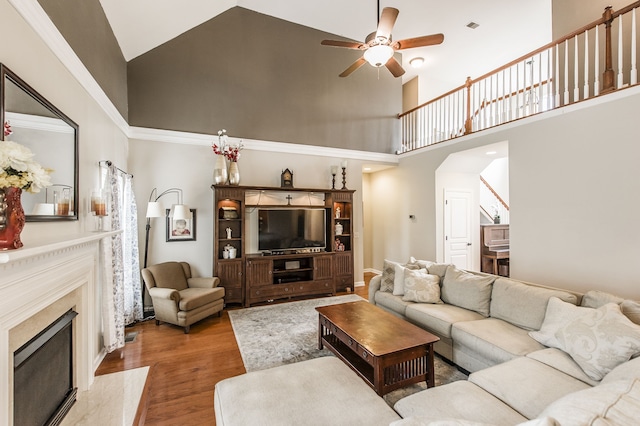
pixel 187 138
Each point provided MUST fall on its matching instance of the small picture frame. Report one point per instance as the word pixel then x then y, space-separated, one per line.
pixel 181 229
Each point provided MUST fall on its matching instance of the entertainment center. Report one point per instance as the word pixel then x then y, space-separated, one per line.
pixel 274 243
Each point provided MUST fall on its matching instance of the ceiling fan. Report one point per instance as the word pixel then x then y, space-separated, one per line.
pixel 379 48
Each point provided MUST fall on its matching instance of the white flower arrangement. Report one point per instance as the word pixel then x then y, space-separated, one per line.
pixel 229 151
pixel 18 170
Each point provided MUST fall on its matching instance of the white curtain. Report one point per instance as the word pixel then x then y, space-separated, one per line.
pixel 122 292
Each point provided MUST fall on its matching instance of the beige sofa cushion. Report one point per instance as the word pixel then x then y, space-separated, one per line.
pixel 467 290
pixel 460 400
pixel 521 304
pixel 391 302
pixel 321 391
pixel 439 269
pixel 612 404
pixel 631 310
pixel 420 286
pixel 439 318
pixel 526 385
pixel 563 362
pixel 493 340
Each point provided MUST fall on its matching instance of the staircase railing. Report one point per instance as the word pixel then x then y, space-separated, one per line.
pixel 491 203
pixel 560 73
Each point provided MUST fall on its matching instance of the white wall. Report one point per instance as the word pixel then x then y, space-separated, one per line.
pixel 497 175
pixel 24 52
pixel 574 182
pixel 190 167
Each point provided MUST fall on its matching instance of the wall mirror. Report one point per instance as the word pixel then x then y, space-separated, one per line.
pixel 52 137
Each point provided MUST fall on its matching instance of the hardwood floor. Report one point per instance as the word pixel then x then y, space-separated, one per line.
pixel 184 367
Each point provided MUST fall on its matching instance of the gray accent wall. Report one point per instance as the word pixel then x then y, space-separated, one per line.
pixel 263 78
pixel 84 25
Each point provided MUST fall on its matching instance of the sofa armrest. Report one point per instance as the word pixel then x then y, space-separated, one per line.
pixel 374 286
pixel 164 294
pixel 203 282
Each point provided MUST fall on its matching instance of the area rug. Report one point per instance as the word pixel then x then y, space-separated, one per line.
pixel 273 335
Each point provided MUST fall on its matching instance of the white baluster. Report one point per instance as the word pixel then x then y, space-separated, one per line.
pixel 557 75
pixel 576 90
pixel 586 65
pixel 596 64
pixel 566 72
pixel 633 78
pixel 620 55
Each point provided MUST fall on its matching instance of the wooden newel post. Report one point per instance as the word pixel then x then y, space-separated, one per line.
pixel 467 122
pixel 608 75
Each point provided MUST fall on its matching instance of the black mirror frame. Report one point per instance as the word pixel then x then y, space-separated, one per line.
pixel 7 73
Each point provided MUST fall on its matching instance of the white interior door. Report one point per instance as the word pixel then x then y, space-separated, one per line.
pixel 457 228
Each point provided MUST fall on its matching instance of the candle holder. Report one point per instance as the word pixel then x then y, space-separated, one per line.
pixel 334 172
pixel 344 178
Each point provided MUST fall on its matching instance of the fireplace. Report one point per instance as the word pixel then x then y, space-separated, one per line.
pixel 39 284
pixel 43 375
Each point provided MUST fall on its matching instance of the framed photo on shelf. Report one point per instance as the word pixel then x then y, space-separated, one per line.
pixel 181 229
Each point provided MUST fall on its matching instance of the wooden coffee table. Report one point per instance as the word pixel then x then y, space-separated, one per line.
pixel 386 351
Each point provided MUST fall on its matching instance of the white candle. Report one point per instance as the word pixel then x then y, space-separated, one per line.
pixel 344 164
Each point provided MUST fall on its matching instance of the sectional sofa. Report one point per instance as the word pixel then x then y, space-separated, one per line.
pixel 536 355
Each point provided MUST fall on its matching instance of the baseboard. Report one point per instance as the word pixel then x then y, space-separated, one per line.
pixel 358 284
pixel 373 271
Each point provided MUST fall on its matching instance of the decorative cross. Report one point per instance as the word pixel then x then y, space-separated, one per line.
pixel 289 198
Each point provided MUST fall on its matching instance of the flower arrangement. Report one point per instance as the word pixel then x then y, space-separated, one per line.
pixel 7 128
pixel 229 151
pixel 17 168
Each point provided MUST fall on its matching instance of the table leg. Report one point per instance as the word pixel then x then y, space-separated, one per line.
pixel 378 376
pixel 320 332
pixel 431 378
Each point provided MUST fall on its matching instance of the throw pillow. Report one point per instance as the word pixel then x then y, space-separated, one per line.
pixel 595 299
pixel 388 276
pixel 467 290
pixel 631 310
pixel 600 339
pixel 439 269
pixel 420 286
pixel 398 281
pixel 558 314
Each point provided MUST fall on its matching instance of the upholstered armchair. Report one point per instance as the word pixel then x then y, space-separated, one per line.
pixel 180 299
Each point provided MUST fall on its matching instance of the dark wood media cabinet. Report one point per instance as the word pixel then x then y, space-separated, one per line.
pixel 255 278
pixel 286 276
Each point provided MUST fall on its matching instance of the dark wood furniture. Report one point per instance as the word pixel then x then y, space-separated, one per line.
pixel 252 278
pixel 494 243
pixel 385 351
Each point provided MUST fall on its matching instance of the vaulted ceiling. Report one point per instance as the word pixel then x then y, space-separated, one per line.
pixel 507 28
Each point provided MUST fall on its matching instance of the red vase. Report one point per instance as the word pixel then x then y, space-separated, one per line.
pixel 11 218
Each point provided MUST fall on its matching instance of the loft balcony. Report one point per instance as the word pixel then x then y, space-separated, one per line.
pixel 594 60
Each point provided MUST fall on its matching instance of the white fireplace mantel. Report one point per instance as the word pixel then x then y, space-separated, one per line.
pixel 47 277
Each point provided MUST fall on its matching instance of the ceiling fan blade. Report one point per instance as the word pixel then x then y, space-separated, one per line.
pixel 338 43
pixel 357 64
pixel 387 21
pixel 428 40
pixel 395 68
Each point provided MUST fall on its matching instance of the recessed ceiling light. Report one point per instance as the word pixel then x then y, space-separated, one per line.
pixel 367 169
pixel 492 152
pixel 416 62
pixel 473 25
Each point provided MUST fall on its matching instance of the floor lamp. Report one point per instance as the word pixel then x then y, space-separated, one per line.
pixel 154 209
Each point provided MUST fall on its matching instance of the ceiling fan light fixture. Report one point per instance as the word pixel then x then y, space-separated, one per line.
pixel 378 55
pixel 416 62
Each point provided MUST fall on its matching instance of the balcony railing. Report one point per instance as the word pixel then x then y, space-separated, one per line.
pixel 571 69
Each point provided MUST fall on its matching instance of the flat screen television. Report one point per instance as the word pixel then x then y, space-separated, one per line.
pixel 291 228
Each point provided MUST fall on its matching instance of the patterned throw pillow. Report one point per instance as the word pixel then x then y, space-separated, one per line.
pixel 600 339
pixel 421 287
pixel 388 276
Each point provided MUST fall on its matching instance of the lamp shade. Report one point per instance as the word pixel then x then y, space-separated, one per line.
pixel 181 211
pixel 154 209
pixel 378 55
